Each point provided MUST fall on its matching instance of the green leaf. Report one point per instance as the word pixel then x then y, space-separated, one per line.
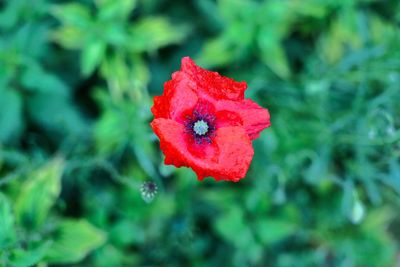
pixel 343 36
pixel 115 70
pixel 73 241
pixel 273 54
pixel 140 71
pixel 153 33
pixel 69 37
pixel 38 195
pixel 9 14
pixel 110 134
pixel 234 11
pixel 7 231
pixel 112 256
pixel 26 258
pixel 114 10
pixel 72 14
pixel 216 52
pixel 313 8
pixel 126 232
pixel 11 123
pixel 56 114
pixel 37 79
pixel 231 226
pixel 92 55
pixel 76 25
pixel 271 230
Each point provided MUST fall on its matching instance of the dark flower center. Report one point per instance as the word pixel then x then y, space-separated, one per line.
pixel 201 127
pixel 148 190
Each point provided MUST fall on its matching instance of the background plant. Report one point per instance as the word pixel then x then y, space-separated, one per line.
pixel 76 80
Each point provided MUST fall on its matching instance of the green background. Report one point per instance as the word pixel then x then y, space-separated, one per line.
pixel 76 86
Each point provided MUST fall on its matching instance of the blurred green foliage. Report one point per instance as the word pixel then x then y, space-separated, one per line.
pixel 76 86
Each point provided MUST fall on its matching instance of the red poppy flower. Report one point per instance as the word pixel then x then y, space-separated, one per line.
pixel 205 123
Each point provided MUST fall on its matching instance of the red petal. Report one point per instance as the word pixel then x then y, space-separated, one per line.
pixel 160 108
pixel 210 84
pixel 228 158
pixel 248 113
pixel 171 134
pixel 176 99
pixel 235 155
